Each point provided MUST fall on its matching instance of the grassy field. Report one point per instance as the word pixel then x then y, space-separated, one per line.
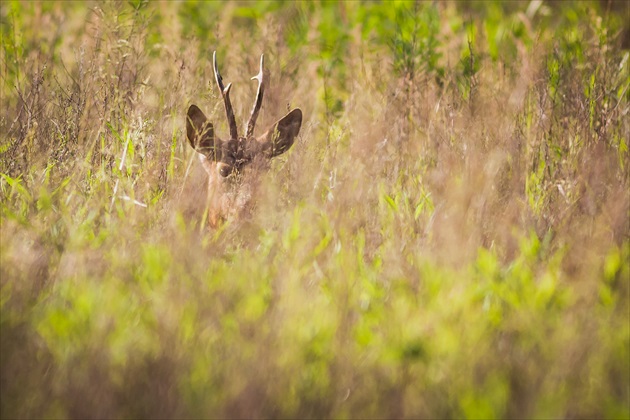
pixel 448 237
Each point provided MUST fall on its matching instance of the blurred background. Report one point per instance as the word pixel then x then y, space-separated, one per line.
pixel 448 237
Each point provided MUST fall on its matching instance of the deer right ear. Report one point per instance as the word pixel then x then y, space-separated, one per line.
pixel 280 137
pixel 200 132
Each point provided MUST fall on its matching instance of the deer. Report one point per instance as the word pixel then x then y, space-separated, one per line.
pixel 225 161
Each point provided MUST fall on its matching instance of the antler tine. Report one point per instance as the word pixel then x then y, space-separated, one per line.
pixel 259 97
pixel 225 93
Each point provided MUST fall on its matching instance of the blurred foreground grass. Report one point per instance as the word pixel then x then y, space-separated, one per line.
pixel 448 237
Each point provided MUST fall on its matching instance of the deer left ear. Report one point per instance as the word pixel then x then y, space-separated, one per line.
pixel 200 132
pixel 280 137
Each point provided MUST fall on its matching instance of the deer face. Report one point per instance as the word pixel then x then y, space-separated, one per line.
pixel 223 158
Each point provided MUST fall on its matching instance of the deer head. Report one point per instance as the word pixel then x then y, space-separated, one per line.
pixel 224 160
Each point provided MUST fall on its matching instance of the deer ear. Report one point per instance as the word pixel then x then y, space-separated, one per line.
pixel 200 131
pixel 280 137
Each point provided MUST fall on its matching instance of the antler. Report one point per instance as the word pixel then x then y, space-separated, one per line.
pixel 259 97
pixel 225 92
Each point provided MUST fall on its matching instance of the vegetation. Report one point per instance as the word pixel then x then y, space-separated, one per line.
pixel 448 237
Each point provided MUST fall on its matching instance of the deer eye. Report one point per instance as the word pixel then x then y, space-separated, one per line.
pixel 225 170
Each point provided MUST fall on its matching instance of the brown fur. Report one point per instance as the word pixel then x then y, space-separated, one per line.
pixel 224 161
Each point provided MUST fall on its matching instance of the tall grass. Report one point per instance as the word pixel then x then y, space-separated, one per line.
pixel 448 237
